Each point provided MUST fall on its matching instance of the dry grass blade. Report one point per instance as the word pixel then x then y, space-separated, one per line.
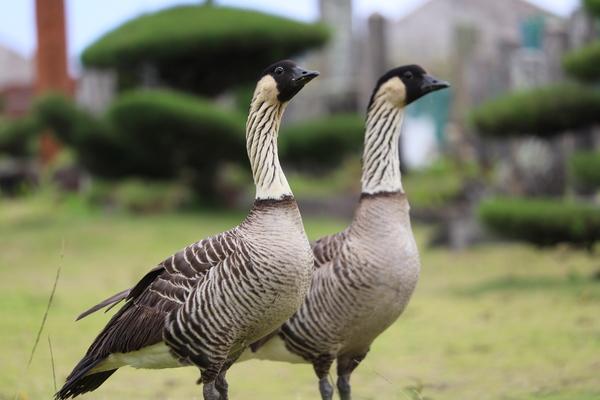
pixel 52 363
pixel 50 299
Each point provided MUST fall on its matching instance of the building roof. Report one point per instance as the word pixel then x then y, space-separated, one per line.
pixel 427 35
pixel 15 69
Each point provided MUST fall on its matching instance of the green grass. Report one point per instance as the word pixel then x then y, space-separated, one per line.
pixel 493 322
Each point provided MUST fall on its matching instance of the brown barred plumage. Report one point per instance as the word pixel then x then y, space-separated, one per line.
pixel 365 275
pixel 206 303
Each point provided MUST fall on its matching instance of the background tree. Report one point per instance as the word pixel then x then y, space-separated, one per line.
pixel 547 113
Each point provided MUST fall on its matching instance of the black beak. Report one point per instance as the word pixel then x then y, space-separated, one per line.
pixel 302 76
pixel 432 84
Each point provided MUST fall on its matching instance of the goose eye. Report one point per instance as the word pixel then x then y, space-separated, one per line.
pixel 279 70
pixel 408 75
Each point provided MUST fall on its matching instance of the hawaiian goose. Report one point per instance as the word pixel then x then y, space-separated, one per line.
pixel 205 304
pixel 366 274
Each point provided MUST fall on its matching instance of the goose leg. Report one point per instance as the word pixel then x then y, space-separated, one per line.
pixel 222 386
pixel 208 378
pixel 221 383
pixel 321 366
pixel 345 366
pixel 209 392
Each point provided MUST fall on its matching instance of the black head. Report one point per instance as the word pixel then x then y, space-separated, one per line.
pixel 289 77
pixel 415 83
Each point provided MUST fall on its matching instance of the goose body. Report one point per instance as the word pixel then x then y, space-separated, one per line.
pixel 203 305
pixel 366 274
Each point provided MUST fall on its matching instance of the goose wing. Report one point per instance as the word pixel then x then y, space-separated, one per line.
pixel 140 321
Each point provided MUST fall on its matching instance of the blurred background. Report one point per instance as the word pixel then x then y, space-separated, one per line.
pixel 122 140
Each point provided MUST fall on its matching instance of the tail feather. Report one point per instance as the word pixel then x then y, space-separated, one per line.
pixel 81 380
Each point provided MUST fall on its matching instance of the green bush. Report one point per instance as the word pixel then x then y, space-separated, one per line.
pixel 139 196
pixel 97 148
pixel 322 143
pixel 202 49
pixel 437 185
pixel 543 221
pixel 593 6
pixel 584 168
pixel 544 112
pixel 169 134
pixel 584 63
pixel 17 136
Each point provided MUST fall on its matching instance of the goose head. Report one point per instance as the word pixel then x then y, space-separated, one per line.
pixel 403 85
pixel 281 81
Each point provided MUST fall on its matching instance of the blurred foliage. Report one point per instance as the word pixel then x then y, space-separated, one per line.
pixel 322 143
pixel 542 221
pixel 139 196
pixel 17 136
pixel 201 49
pixel 153 134
pixel 584 168
pixel 167 134
pixel 96 148
pixel 544 112
pixel 436 185
pixel 243 97
pixel 584 63
pixel 593 6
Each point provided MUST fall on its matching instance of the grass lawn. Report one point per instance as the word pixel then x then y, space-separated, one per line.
pixel 494 322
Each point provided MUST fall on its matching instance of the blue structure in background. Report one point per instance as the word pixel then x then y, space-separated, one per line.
pixel 437 107
pixel 532 32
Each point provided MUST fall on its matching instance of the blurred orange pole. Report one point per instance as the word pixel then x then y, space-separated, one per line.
pixel 51 62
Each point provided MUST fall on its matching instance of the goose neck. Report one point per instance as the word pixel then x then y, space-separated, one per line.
pixel 262 129
pixel 381 162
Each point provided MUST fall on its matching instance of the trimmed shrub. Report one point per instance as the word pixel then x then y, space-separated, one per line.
pixel 139 196
pixel 322 143
pixel 436 186
pixel 16 136
pixel 584 168
pixel 202 49
pixel 593 6
pixel 543 112
pixel 168 134
pixel 97 149
pixel 543 221
pixel 584 63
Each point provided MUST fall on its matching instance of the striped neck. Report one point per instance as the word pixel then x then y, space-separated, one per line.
pixel 381 162
pixel 262 129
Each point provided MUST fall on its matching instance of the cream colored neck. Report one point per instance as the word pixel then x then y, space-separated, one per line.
pixel 381 162
pixel 262 129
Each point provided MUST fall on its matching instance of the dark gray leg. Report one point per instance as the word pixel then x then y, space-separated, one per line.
pixel 325 389
pixel 208 377
pixel 345 366
pixel 343 385
pixel 222 386
pixel 209 392
pixel 321 366
pixel 221 383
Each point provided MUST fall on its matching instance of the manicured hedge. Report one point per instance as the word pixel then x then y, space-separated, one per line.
pixel 542 221
pixel 584 63
pixel 168 133
pixel 584 167
pixel 203 49
pixel 95 145
pixel 544 112
pixel 322 142
pixel 593 6
pixel 17 136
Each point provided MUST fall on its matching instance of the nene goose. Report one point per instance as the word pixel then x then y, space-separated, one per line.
pixel 205 304
pixel 366 274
